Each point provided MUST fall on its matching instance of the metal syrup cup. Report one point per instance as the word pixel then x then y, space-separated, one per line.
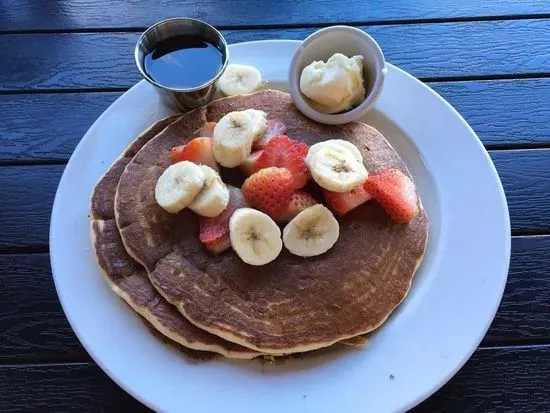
pixel 188 98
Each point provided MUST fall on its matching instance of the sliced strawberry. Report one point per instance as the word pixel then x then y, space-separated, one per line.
pixel 396 193
pixel 298 201
pixel 214 237
pixel 198 150
pixel 274 128
pixel 214 232
pixel 207 130
pixel 269 190
pixel 283 152
pixel 247 167
pixel 343 202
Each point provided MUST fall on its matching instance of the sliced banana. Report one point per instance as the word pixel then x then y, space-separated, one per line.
pixel 255 237
pixel 214 196
pixel 312 232
pixel 337 169
pixel 233 136
pixel 335 144
pixel 179 185
pixel 259 119
pixel 239 79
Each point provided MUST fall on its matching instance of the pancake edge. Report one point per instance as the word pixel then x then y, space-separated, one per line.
pixel 143 311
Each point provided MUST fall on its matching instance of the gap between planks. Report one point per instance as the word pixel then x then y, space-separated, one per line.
pixel 435 20
pixel 443 79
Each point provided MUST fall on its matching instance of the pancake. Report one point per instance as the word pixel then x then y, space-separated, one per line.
pixel 292 304
pixel 129 280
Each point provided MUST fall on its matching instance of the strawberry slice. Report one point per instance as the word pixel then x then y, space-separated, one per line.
pixel 283 152
pixel 207 130
pixel 274 128
pixel 343 202
pixel 396 193
pixel 298 201
pixel 198 150
pixel 214 232
pixel 214 237
pixel 269 190
pixel 247 167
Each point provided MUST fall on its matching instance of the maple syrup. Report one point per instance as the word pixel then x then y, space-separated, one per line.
pixel 183 62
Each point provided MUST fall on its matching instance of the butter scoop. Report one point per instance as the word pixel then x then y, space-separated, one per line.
pixel 334 86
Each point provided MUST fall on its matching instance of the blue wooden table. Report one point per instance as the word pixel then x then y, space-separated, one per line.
pixel 64 61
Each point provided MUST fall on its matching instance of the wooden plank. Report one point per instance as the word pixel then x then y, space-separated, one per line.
pixel 27 194
pixel 525 176
pixel 46 127
pixel 39 127
pixel 32 322
pixel 507 380
pixel 447 50
pixel 504 113
pixel 72 14
pixel 523 312
pixel 34 329
pixel 499 379
pixel 62 388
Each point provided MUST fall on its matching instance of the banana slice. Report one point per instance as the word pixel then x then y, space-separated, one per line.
pixel 233 136
pixel 214 196
pixel 255 237
pixel 178 186
pixel 337 169
pixel 239 79
pixel 334 144
pixel 312 232
pixel 259 119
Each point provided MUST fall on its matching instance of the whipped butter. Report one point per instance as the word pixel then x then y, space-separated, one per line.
pixel 334 86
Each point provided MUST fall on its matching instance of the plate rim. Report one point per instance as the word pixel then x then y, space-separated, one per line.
pixel 148 401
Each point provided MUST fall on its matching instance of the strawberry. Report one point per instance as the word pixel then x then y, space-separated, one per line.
pixel 198 150
pixel 283 152
pixel 343 202
pixel 274 128
pixel 207 130
pixel 298 201
pixel 248 165
pixel 214 232
pixel 214 237
pixel 396 193
pixel 269 190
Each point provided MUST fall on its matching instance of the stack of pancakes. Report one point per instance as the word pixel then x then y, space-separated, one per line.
pixel 217 303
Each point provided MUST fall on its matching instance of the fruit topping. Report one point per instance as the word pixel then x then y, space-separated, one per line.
pixel 343 202
pixel 239 79
pixel 249 165
pixel 283 152
pixel 337 169
pixel 207 130
pixel 234 134
pixel 179 185
pixel 298 201
pixel 274 128
pixel 334 143
pixel 255 237
pixel 260 122
pixel 269 190
pixel 214 232
pixel 312 232
pixel 396 193
pixel 213 197
pixel 198 150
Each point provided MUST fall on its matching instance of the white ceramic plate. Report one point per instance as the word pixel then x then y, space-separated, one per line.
pixel 451 304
